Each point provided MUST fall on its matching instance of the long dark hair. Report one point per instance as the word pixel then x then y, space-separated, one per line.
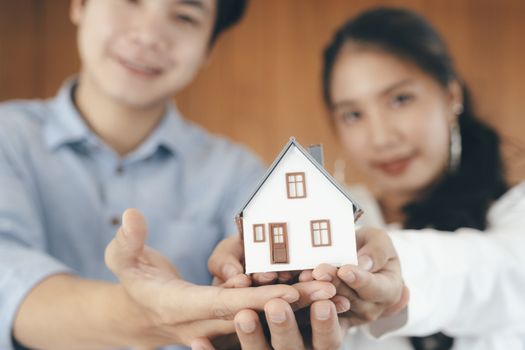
pixel 462 197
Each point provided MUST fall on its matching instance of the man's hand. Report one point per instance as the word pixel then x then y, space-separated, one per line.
pixel 177 311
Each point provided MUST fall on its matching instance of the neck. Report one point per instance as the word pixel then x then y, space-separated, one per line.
pixel 121 126
pixel 392 205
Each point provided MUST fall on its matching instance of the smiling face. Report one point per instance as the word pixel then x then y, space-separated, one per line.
pixel 141 52
pixel 392 118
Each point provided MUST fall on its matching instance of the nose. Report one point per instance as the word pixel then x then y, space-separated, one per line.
pixel 381 132
pixel 152 33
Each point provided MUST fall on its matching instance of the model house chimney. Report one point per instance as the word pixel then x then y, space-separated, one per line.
pixel 316 151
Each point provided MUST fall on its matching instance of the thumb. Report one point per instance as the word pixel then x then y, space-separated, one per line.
pixel 128 244
pixel 225 261
pixel 201 344
pixel 375 249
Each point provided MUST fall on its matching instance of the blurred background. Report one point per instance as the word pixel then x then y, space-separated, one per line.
pixel 263 82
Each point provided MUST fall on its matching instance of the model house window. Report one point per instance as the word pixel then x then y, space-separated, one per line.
pixel 278 235
pixel 321 236
pixel 295 185
pixel 258 233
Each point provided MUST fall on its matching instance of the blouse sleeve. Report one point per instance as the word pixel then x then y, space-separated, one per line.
pixel 465 283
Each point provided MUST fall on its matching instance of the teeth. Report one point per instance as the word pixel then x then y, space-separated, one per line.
pixel 140 67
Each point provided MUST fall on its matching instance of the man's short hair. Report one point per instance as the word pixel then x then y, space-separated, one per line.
pixel 229 12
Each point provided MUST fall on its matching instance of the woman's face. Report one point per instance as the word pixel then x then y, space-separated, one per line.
pixel 392 118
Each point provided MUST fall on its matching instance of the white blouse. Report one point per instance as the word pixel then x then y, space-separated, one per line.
pixel 469 285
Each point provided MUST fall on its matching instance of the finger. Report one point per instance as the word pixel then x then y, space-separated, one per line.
pixel 342 304
pixel 284 276
pixel 283 326
pixel 193 302
pixel 400 305
pixel 326 332
pixel 238 281
pixel 249 331
pixel 384 287
pixel 128 244
pixel 225 261
pixel 326 272
pixel 306 276
pixel 312 291
pixel 201 344
pixel 375 249
pixel 261 279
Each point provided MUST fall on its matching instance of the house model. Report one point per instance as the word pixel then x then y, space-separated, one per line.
pixel 298 216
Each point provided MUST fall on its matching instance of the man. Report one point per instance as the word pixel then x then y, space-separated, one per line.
pixel 111 140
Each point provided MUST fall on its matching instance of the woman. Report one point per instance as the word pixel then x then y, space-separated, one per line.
pixel 405 120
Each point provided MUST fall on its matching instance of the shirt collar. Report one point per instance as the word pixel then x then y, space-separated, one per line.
pixel 66 126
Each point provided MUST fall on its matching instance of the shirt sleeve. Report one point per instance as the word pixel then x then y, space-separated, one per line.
pixel 23 260
pixel 466 283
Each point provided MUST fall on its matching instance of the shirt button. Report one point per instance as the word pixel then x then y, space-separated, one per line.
pixel 120 169
pixel 115 221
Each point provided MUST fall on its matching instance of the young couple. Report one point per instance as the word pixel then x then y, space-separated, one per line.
pixel 111 140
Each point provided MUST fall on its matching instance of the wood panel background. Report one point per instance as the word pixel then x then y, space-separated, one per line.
pixel 263 82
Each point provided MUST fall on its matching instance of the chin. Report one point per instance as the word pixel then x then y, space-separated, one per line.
pixel 406 184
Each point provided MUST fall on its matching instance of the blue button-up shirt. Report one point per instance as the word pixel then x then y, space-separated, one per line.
pixel 62 191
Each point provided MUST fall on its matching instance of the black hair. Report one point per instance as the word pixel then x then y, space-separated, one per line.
pixel 461 198
pixel 229 12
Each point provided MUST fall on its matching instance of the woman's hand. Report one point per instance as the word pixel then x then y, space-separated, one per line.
pixel 375 287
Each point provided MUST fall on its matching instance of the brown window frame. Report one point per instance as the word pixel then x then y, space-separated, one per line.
pixel 328 231
pixel 255 233
pixel 288 183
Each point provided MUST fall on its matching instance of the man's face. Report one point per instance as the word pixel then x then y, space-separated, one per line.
pixel 142 52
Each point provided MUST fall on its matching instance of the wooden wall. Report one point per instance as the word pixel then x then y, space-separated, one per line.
pixel 263 83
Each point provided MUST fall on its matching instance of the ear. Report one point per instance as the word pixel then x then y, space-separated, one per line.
pixel 455 91
pixel 75 10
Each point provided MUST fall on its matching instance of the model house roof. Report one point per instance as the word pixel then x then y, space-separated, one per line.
pixel 318 164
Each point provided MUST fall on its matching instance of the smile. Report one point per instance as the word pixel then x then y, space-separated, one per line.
pixel 140 69
pixel 394 167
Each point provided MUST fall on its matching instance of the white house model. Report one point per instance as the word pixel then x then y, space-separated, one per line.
pixel 298 217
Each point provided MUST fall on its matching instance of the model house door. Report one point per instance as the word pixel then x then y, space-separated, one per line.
pixel 279 243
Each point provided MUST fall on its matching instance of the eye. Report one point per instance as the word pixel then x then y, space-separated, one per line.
pixel 349 117
pixel 186 19
pixel 401 99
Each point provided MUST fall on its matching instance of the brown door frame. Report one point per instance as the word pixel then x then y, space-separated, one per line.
pixel 271 225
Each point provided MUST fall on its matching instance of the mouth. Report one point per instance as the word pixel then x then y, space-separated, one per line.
pixel 396 166
pixel 141 69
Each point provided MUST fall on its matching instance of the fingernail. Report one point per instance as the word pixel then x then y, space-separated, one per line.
pixel 320 295
pixel 277 317
pixel 343 305
pixel 229 271
pixel 349 277
pixel 322 312
pixel 290 298
pixel 267 276
pixel 325 277
pixel 247 326
pixel 365 262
